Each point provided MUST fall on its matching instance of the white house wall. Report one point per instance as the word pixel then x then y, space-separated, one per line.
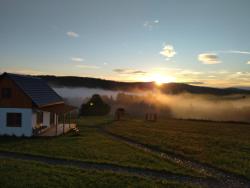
pixel 24 130
pixel 34 116
pixel 46 119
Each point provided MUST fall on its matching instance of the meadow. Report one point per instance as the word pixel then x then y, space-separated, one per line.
pixel 90 145
pixel 15 173
pixel 222 145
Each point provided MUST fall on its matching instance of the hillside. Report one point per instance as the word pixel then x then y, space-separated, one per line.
pixel 168 88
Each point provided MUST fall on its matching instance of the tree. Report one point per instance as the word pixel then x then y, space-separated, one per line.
pixel 95 107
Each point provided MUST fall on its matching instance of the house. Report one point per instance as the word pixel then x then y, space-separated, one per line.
pixel 29 107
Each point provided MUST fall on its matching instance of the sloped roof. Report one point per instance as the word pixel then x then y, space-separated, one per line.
pixel 37 89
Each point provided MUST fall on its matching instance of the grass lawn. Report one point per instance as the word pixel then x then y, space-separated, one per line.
pixel 15 173
pixel 224 145
pixel 89 146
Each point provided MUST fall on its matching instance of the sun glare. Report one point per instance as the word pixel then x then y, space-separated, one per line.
pixel 160 79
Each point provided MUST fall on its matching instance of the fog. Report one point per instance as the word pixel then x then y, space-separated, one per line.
pixel 82 92
pixel 76 96
pixel 183 106
pixel 208 107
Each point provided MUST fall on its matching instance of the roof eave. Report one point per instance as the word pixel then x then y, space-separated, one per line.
pixel 50 104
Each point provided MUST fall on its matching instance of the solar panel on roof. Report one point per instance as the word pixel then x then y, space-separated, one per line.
pixel 36 88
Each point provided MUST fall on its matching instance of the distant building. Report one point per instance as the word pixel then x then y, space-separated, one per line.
pixel 28 107
pixel 119 113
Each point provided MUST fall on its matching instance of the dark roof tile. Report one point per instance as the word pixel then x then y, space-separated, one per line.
pixel 36 88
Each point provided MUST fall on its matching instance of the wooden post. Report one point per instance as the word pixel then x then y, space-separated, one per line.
pixel 69 120
pixel 56 122
pixel 76 116
pixel 63 122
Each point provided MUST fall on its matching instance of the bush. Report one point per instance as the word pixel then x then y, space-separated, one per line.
pixel 95 107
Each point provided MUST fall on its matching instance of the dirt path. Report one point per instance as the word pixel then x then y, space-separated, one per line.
pixel 227 179
pixel 134 171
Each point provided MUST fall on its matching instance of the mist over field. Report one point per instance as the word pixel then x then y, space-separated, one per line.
pixel 208 107
pixel 184 106
pixel 82 92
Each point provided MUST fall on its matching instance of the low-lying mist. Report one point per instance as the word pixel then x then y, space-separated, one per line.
pixel 183 106
pixel 208 107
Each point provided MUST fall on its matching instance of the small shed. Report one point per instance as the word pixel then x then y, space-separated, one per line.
pixel 119 114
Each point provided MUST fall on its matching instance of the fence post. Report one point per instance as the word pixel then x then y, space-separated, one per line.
pixel 63 122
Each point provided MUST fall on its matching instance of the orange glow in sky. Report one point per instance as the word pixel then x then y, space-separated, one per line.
pixel 159 78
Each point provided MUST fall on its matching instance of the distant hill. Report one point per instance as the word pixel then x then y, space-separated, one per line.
pixel 73 81
pixel 176 88
pixel 245 88
pixel 168 88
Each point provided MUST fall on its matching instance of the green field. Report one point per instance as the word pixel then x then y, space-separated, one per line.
pixel 15 173
pixel 90 145
pixel 222 145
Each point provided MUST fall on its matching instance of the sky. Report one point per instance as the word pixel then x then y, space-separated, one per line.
pixel 203 42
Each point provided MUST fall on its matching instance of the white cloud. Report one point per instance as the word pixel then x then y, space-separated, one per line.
pixel 208 58
pixel 77 59
pixel 88 66
pixel 189 72
pixel 222 72
pixel 248 62
pixel 168 51
pixel 151 24
pixel 238 52
pixel 211 76
pixel 72 34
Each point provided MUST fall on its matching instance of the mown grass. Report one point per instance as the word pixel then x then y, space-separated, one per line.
pixel 90 145
pixel 224 145
pixel 22 174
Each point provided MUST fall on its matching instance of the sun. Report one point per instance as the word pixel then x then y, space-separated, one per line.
pixel 160 79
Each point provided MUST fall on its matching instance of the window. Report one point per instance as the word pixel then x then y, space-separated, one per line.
pixel 14 120
pixel 6 93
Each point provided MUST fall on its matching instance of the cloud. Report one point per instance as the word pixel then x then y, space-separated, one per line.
pixel 151 24
pixel 211 76
pixel 138 72
pixel 237 52
pixel 194 83
pixel 88 66
pixel 240 76
pixel 119 70
pixel 248 62
pixel 129 71
pixel 72 34
pixel 189 72
pixel 208 58
pixel 77 59
pixel 168 51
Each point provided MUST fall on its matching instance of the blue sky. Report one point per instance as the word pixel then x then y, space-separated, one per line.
pixel 133 40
